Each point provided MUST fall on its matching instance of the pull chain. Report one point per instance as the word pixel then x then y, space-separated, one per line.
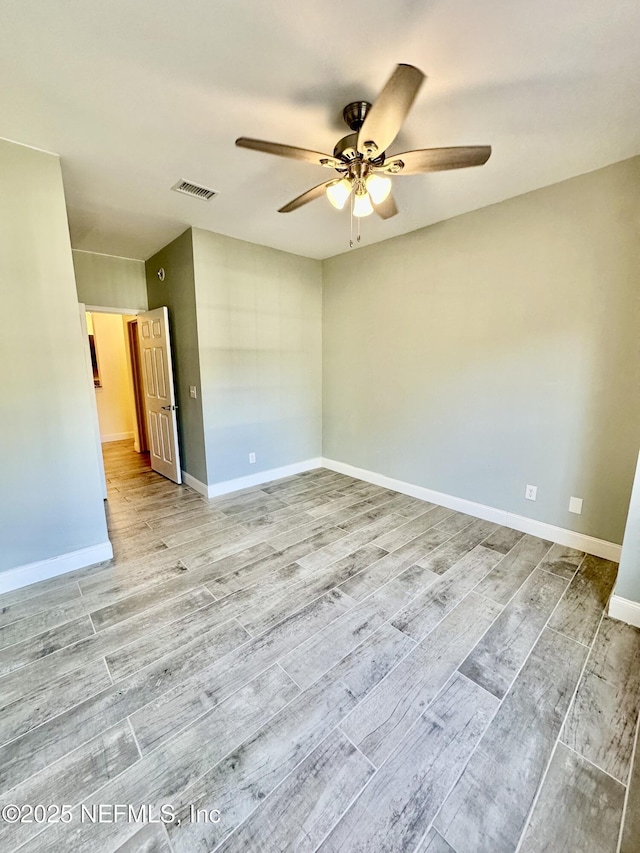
pixel 351 214
pixel 351 224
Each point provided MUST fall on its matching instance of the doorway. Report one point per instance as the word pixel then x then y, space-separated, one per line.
pixel 115 373
pixel 115 359
pixel 130 372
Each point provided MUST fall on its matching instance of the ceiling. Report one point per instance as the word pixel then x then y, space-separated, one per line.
pixel 136 95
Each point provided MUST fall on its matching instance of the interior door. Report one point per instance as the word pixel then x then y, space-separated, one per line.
pixel 159 393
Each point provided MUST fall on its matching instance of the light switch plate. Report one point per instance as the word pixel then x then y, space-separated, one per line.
pixel 575 505
pixel 192 391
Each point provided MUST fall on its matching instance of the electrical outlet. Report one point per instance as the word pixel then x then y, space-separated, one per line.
pixel 575 505
pixel 531 493
pixel 252 458
pixel 192 391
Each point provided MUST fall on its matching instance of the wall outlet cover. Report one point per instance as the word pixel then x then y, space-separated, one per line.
pixel 575 505
pixel 531 493
pixel 252 458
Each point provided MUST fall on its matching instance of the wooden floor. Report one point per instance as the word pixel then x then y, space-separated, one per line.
pixel 318 664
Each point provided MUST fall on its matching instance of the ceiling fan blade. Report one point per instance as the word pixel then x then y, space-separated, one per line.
pixel 384 119
pixel 386 209
pixel 305 198
pixel 289 151
pixel 438 159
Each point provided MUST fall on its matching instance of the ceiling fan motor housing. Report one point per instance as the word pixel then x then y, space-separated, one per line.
pixel 355 113
pixel 346 148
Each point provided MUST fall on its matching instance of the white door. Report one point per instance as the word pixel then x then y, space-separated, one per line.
pixel 159 393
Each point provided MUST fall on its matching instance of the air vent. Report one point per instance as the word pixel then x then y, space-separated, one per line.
pixel 195 190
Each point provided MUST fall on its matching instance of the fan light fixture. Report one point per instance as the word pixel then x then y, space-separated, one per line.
pixel 378 187
pixel 362 204
pixel 361 158
pixel 339 192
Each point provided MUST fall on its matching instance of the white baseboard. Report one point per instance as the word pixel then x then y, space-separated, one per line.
pixel 625 610
pixel 570 538
pixel 580 541
pixel 217 489
pixel 44 569
pixel 115 436
pixel 199 487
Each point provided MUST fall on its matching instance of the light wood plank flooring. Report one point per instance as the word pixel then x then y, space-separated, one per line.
pixel 318 664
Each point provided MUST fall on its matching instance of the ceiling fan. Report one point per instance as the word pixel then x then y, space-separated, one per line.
pixel 360 157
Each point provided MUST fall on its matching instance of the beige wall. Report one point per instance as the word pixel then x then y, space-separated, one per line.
pixel 109 281
pixel 114 398
pixel 495 350
pixel 50 487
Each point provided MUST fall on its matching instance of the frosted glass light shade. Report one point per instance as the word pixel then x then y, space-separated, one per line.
pixel 339 192
pixel 378 187
pixel 362 205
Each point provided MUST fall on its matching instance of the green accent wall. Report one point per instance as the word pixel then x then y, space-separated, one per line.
pixel 177 292
pixel 260 334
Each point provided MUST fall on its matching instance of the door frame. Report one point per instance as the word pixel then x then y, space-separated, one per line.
pixel 82 313
pixel 103 309
pixel 141 436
